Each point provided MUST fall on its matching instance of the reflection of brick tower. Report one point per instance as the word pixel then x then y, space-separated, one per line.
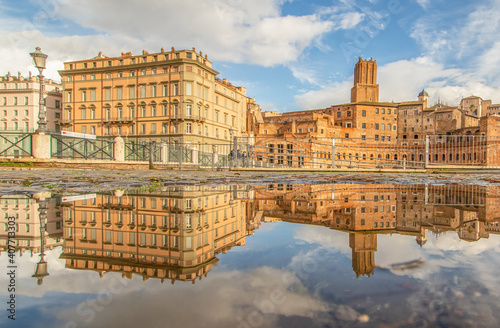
pixel 363 253
pixel 365 81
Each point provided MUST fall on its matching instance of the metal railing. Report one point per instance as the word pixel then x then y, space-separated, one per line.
pixel 335 153
pixel 15 144
pixel 464 150
pixel 79 148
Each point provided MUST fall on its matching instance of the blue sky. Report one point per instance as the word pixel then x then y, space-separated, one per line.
pixel 290 55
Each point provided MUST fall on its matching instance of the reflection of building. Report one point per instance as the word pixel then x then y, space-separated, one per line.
pixel 27 224
pixel 174 234
pixel 367 210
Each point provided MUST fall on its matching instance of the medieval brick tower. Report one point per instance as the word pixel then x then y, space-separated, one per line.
pixel 365 81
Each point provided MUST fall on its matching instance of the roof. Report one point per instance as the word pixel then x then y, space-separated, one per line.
pixel 405 103
pixel 423 93
pixel 368 103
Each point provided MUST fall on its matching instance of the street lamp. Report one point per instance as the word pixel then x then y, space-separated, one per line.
pixel 39 59
pixel 232 152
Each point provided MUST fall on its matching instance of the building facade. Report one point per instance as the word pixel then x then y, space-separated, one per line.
pixel 19 103
pixel 172 95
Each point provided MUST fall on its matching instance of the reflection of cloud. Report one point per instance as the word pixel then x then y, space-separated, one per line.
pixel 445 251
pixel 226 300
pixel 333 239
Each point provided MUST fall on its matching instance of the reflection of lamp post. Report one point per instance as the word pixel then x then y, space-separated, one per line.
pixel 41 266
pixel 39 59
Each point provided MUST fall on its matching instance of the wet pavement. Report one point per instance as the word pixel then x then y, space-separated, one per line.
pixel 32 181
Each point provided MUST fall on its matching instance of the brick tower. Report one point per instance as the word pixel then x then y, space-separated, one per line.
pixel 365 81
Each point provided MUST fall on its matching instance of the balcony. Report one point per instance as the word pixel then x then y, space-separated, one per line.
pixel 65 122
pixel 118 207
pixel 181 117
pixel 118 120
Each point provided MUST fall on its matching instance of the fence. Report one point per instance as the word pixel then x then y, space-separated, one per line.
pixel 187 155
pixel 15 144
pixel 338 153
pixel 79 148
pixel 464 150
pixel 468 151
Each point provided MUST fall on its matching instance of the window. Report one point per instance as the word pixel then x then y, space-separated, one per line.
pixel 363 125
pixel 176 89
pixel 84 95
pixel 143 128
pixel 107 94
pixel 119 93
pixel 188 110
pixel 188 128
pixel 143 91
pixel 165 90
pixel 363 113
pixel 376 110
pixel 189 89
pixel 376 126
pixel 131 92
pixel 153 128
pixel 153 91
pixel 26 101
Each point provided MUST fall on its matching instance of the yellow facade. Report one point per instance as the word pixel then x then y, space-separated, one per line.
pixel 173 96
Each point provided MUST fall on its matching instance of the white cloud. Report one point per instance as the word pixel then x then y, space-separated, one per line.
pixel 336 93
pixel 227 30
pixel 403 80
pixel 232 30
pixel 351 20
pixel 424 3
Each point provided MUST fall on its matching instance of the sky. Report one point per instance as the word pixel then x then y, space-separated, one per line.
pixel 289 54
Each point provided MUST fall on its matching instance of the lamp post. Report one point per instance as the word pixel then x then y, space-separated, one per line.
pixel 39 59
pixel 232 153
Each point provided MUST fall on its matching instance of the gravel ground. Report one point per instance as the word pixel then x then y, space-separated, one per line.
pixel 78 181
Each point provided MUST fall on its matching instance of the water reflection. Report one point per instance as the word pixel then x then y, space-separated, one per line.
pixel 175 233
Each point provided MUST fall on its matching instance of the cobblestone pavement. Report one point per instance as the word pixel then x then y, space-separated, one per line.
pixel 81 181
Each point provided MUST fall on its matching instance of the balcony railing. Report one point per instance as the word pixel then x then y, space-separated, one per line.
pixel 186 117
pixel 118 120
pixel 65 122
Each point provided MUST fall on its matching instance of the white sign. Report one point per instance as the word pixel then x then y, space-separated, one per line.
pixel 79 197
pixel 78 135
